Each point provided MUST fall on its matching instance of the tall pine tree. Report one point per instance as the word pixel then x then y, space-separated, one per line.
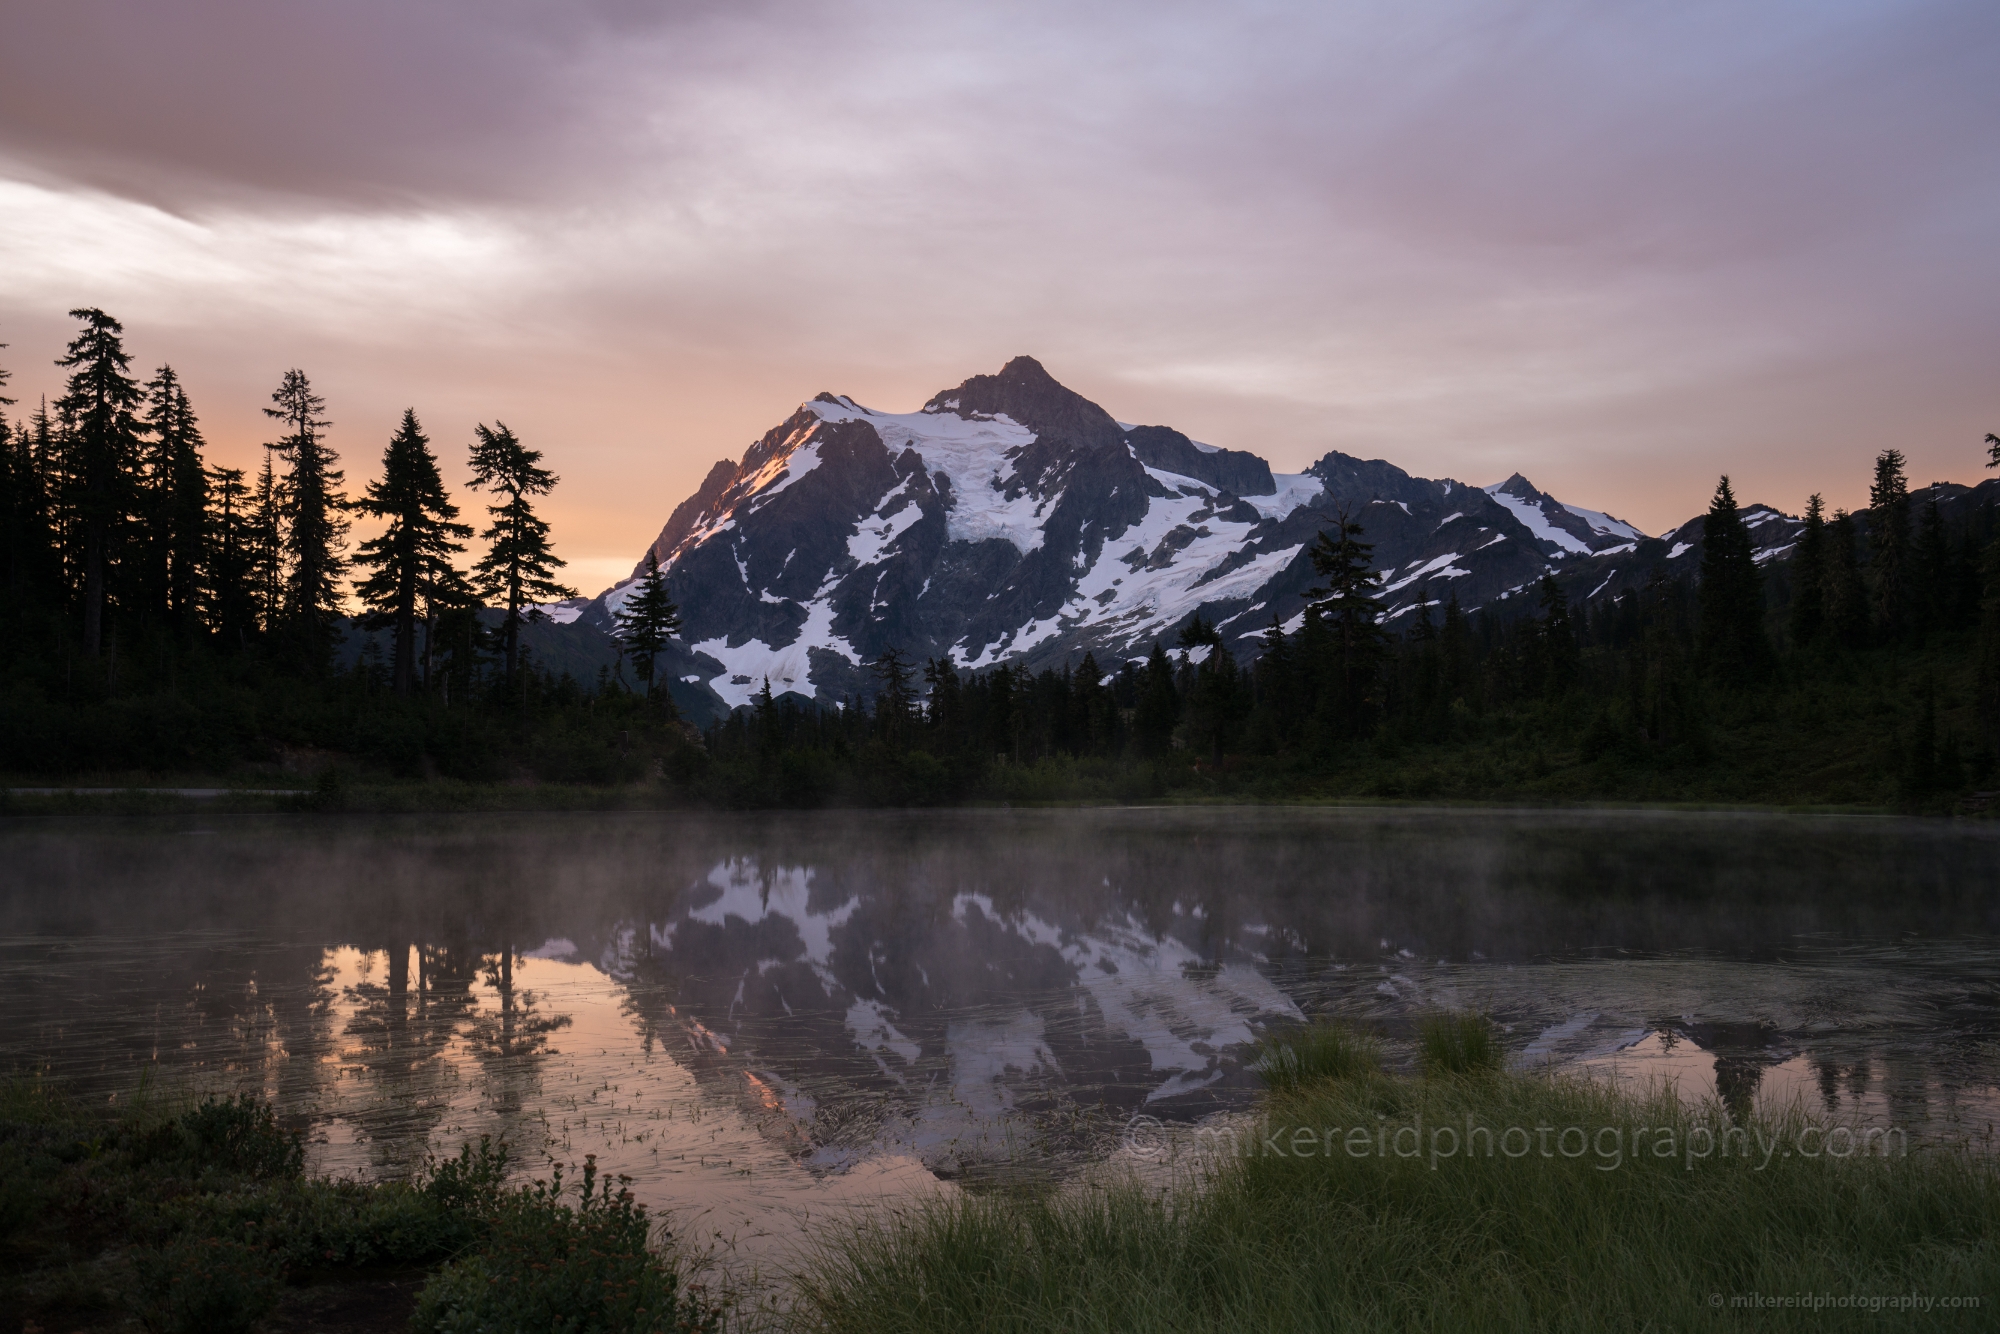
pixel 231 566
pixel 16 479
pixel 1561 654
pixel 1889 544
pixel 1845 590
pixel 1808 615
pixel 518 568
pixel 1730 635
pixel 1988 679
pixel 1159 710
pixel 38 460
pixel 896 702
pixel 414 553
pixel 1934 588
pixel 647 621
pixel 176 504
pixel 312 506
pixel 98 406
pixel 1352 613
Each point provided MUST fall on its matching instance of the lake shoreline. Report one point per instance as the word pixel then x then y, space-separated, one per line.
pixel 110 797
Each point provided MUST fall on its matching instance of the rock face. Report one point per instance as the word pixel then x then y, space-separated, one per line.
pixel 1013 520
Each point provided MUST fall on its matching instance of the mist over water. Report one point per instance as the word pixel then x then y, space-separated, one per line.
pixel 768 1020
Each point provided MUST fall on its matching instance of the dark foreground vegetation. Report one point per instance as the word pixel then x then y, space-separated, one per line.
pixel 1270 1238
pixel 203 1222
pixel 173 624
pixel 1457 1197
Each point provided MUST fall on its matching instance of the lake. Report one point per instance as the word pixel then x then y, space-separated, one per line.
pixel 768 1021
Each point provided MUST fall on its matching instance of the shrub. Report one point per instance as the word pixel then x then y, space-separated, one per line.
pixel 548 1267
pixel 205 1285
pixel 239 1136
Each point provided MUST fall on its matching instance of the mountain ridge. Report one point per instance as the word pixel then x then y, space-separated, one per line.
pixel 1012 520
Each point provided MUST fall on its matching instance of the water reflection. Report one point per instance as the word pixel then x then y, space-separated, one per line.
pixel 760 1018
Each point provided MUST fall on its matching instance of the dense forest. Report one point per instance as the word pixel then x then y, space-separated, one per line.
pixel 171 619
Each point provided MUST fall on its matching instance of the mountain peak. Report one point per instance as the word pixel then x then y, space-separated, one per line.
pixel 1516 485
pixel 1028 394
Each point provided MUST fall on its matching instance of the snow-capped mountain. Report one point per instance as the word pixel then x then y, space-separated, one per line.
pixel 1011 519
pixel 1614 571
pixel 1564 527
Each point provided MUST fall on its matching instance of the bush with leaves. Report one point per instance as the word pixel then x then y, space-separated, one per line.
pixel 205 1285
pixel 235 1136
pixel 550 1267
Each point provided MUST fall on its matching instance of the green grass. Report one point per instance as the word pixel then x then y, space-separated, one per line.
pixel 1457 1044
pixel 1333 1239
pixel 1291 1058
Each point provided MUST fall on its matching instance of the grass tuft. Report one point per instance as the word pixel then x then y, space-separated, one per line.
pixel 1329 1049
pixel 1457 1044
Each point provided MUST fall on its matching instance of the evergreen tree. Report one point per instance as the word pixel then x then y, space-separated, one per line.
pixel 1199 705
pixel 1352 614
pixel 231 601
pixel 1001 711
pixel 1934 587
pixel 413 556
pixel 98 405
pixel 1274 675
pixel 518 568
pixel 1455 652
pixel 944 711
pixel 176 503
pixel 17 483
pixel 1730 638
pixel 265 536
pixel 896 701
pixel 38 475
pixel 1846 593
pixel 1096 708
pixel 1159 705
pixel 1560 651
pixel 1808 616
pixel 648 620
pixel 315 537
pixel 1889 544
pixel 1988 680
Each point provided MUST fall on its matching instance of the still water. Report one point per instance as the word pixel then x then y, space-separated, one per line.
pixel 768 1021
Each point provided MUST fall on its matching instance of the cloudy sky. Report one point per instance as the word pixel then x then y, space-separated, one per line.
pixel 1617 245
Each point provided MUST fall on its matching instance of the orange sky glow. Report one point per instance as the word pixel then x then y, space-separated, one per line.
pixel 1617 249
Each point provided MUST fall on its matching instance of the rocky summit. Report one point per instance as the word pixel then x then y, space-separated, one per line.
pixel 1013 520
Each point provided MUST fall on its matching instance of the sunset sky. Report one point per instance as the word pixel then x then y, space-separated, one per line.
pixel 1619 246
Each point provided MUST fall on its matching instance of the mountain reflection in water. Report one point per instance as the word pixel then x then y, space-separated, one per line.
pixel 762 1017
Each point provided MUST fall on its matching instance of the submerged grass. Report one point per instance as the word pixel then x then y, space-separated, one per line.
pixel 1340 1210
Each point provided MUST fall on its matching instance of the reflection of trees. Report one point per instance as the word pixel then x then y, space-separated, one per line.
pixel 399 1052
pixel 259 1020
pixel 511 1041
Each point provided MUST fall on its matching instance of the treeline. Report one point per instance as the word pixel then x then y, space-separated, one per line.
pixel 168 615
pixel 165 613
pixel 1869 620
pixel 112 514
